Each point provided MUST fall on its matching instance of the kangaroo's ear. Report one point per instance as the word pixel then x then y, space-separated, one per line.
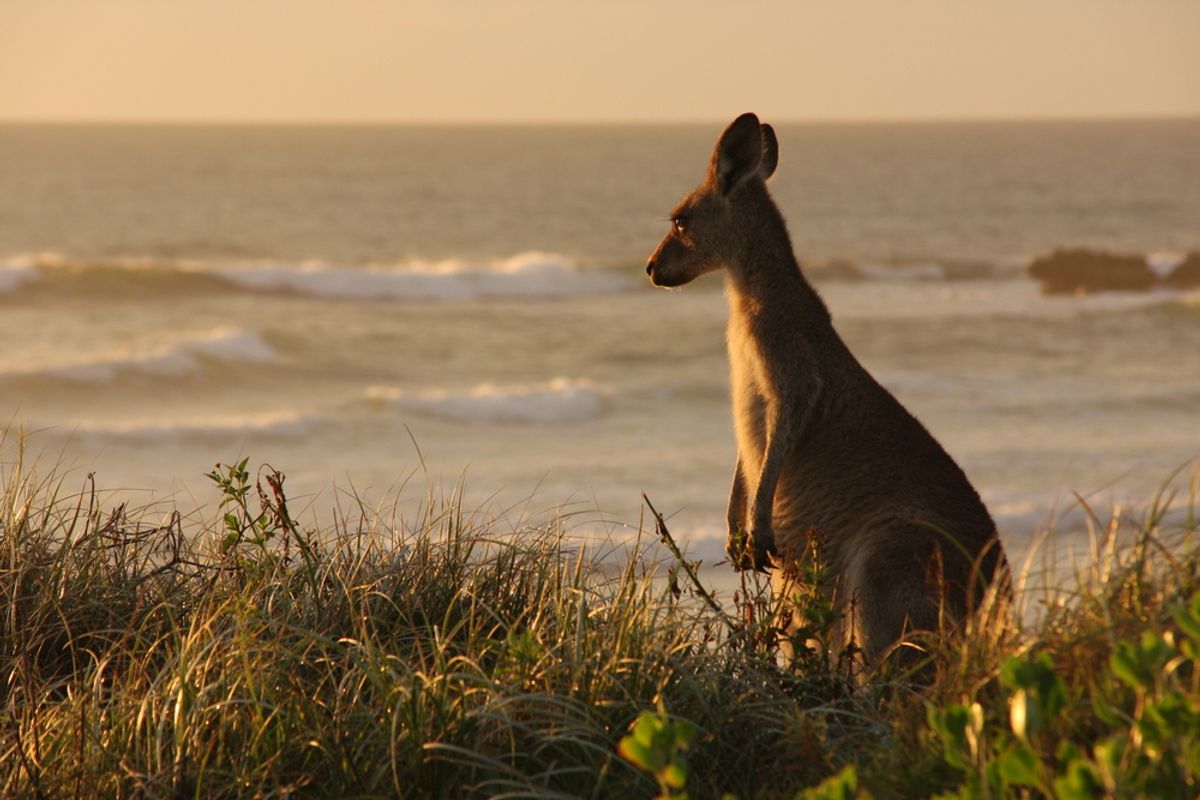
pixel 770 152
pixel 737 155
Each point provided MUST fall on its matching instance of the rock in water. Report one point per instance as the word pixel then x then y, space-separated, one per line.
pixel 1071 271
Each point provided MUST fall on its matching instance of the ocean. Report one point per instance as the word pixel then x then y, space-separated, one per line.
pixel 382 312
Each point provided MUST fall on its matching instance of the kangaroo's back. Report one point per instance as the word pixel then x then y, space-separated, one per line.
pixel 829 462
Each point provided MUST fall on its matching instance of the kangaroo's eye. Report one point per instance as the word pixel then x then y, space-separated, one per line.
pixel 680 224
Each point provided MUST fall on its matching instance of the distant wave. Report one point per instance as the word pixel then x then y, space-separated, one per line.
pixel 939 269
pixel 556 401
pixel 926 301
pixel 929 271
pixel 531 274
pixel 179 355
pixel 287 423
pixel 905 270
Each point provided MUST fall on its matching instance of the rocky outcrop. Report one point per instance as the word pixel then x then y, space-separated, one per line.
pixel 1085 271
pixel 1187 274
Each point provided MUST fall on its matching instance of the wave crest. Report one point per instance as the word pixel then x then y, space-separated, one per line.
pixel 286 423
pixel 557 401
pixel 182 355
pixel 532 274
pixel 16 271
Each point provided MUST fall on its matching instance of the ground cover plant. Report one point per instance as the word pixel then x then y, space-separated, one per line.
pixel 154 653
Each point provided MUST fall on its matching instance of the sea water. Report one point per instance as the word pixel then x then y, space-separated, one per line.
pixel 382 311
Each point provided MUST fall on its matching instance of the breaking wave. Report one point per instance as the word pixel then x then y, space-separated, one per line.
pixel 531 274
pixel 180 355
pixel 524 275
pixel 287 423
pixel 15 272
pixel 556 401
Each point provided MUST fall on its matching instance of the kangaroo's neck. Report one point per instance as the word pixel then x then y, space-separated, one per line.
pixel 763 270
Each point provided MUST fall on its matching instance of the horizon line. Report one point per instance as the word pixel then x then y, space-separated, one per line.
pixel 582 122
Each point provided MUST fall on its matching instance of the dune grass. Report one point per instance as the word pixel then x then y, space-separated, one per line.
pixel 148 654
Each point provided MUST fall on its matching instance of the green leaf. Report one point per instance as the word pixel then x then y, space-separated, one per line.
pixel 1025 673
pixel 645 728
pixel 842 786
pixel 1191 757
pixel 1080 782
pixel 1066 753
pixel 1164 722
pixel 1188 618
pixel 1020 767
pixel 636 753
pixel 1107 711
pixel 675 773
pixel 950 724
pixel 1109 754
pixel 1129 668
pixel 685 734
pixel 1039 692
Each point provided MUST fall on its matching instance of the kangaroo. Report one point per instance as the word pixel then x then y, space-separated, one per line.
pixel 828 461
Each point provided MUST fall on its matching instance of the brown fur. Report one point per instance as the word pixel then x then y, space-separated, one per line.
pixel 822 446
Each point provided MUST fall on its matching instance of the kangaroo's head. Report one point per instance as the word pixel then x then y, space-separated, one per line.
pixel 706 226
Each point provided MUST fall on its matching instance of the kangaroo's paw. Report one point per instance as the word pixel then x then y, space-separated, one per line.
pixel 751 549
pixel 762 544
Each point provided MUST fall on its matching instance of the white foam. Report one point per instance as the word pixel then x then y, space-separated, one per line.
pixel 286 422
pixel 180 355
pixel 531 274
pixel 17 271
pixel 1164 263
pixel 556 401
pixel 231 343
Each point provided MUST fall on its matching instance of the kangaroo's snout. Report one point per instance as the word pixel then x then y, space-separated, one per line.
pixel 654 269
pixel 664 279
pixel 670 264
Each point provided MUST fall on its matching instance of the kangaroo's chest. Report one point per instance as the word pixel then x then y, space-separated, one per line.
pixel 750 392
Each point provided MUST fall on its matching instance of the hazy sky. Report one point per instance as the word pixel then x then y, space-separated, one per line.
pixel 568 60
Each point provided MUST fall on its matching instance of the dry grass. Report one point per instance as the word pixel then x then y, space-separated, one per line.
pixel 248 656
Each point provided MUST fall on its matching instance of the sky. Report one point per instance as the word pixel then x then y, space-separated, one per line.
pixel 595 60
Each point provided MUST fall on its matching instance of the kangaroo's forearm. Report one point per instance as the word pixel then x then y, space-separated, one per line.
pixel 779 444
pixel 736 514
pixel 786 426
